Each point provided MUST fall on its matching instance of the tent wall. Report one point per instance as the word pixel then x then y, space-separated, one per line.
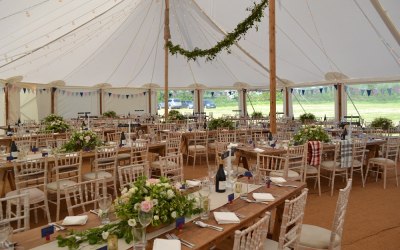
pixel 70 101
pixel 14 104
pixel 2 106
pixel 28 106
pixel 124 101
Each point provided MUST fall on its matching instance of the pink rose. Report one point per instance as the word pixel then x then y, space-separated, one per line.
pixel 146 206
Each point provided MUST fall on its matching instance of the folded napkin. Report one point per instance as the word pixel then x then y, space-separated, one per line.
pixel 161 244
pixel 263 197
pixel 193 183
pixel 258 150
pixel 277 179
pixel 226 217
pixel 75 220
pixel 233 145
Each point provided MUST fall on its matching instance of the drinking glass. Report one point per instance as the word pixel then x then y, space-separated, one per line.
pixel 105 202
pixel 145 217
pixel 211 176
pixel 139 237
pixel 5 231
pixel 3 149
pixel 205 188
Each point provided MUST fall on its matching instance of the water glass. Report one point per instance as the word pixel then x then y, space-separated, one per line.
pixel 139 237
pixel 3 149
pixel 241 189
pixel 105 202
pixel 5 231
pixel 205 206
pixel 205 188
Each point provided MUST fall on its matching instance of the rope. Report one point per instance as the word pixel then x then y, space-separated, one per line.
pixel 248 97
pixel 299 103
pixel 351 100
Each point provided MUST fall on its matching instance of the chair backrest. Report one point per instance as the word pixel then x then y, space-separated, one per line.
pixel 340 212
pixel 84 195
pixel 359 148
pixel 129 174
pixel 200 138
pixel 139 151
pixel 292 221
pixel 68 166
pixel 391 150
pixel 254 236
pixel 105 158
pixel 266 164
pixel 171 167
pixel 31 174
pixel 226 136
pixel 42 137
pixel 114 137
pixel 16 211
pixel 173 146
pixel 297 157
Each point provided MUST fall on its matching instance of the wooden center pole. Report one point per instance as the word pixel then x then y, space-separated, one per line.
pixel 101 101
pixel 52 99
pixel 167 36
pixel 272 66
pixel 6 95
pixel 149 93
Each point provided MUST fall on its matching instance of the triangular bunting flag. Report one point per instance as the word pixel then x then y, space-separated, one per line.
pixel 303 91
pixel 320 90
pixel 389 90
pixel 24 89
pixel 369 92
pixel 127 96
pixel 81 94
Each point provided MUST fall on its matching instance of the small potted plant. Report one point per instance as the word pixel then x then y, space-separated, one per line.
pixel 307 118
pixel 110 114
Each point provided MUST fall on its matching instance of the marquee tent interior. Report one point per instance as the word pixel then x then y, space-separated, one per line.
pixel 85 44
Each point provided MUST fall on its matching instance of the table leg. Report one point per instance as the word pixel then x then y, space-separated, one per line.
pixel 278 222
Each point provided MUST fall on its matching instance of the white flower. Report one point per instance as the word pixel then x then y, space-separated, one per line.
pixel 156 217
pixel 136 206
pixel 132 190
pixel 173 214
pixel 81 137
pixel 100 213
pixel 155 202
pixel 105 235
pixel 170 194
pixel 132 222
pixel 124 191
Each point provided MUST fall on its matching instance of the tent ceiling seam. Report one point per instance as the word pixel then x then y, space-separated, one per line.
pixel 160 24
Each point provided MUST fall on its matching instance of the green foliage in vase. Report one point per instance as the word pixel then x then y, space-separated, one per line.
pixel 307 117
pixel 256 115
pixel 110 114
pixel 82 140
pixel 220 123
pixel 174 115
pixel 382 122
pixel 55 123
pixel 310 133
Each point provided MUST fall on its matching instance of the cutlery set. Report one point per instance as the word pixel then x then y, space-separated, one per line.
pixel 183 242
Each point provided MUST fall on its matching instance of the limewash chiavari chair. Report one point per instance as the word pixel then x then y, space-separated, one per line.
pixel 253 236
pixel 275 166
pixel 198 146
pixel 297 157
pixel 129 174
pixel 42 137
pixel 139 152
pixel 171 167
pixel 31 178
pixel 16 210
pixel 359 150
pixel 114 137
pixel 315 237
pixel 65 173
pixel 84 195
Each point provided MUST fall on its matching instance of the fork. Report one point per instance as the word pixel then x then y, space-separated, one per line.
pixel 240 216
pixel 184 242
pixel 284 185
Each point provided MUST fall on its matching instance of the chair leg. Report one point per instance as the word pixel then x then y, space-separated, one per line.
pixel 366 175
pixel 362 176
pixel 384 176
pixel 332 183
pixel 58 206
pixel 46 206
pixel 395 173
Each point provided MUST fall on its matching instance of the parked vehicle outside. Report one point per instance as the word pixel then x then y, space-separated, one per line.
pixel 187 104
pixel 209 104
pixel 174 103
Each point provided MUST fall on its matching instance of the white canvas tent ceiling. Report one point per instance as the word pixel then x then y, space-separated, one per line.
pixel 120 42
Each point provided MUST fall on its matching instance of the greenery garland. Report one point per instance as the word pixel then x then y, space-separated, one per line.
pixel 257 12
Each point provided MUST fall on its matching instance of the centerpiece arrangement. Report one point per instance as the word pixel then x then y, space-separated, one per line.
pixel 175 115
pixel 382 122
pixel 307 118
pixel 310 133
pixel 164 200
pixel 82 140
pixel 220 123
pixel 110 114
pixel 55 123
pixel 256 115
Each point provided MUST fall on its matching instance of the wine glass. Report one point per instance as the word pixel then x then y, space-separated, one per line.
pixel 145 218
pixel 105 202
pixel 205 188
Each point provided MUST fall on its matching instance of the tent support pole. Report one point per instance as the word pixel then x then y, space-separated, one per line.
pixel 340 102
pixel 6 95
pixel 52 93
pixel 167 36
pixel 101 101
pixel 150 101
pixel 287 101
pixel 386 19
pixel 272 66
pixel 244 108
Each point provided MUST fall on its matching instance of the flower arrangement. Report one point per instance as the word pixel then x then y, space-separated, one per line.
pixel 256 115
pixel 110 114
pixel 220 123
pixel 174 115
pixel 382 122
pixel 82 140
pixel 307 117
pixel 55 123
pixel 158 195
pixel 310 133
pixel 168 202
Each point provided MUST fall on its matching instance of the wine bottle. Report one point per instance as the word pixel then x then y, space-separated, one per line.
pixel 123 139
pixel 14 150
pixel 19 122
pixel 220 180
pixel 9 131
pixel 344 134
pixel 205 125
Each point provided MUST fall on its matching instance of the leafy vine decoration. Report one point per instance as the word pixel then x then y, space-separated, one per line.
pixel 257 12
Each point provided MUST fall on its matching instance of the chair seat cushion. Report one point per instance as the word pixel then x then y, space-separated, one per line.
pixel 316 237
pixel 35 195
pixel 196 148
pixel 211 145
pixel 330 165
pixel 357 164
pixel 382 161
pixel 158 164
pixel 123 156
pixel 100 175
pixel 279 173
pixel 271 244
pixel 52 186
pixel 311 170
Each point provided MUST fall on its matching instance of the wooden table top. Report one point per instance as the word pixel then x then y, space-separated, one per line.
pixel 203 238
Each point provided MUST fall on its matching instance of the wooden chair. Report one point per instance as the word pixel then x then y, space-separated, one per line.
pixel 292 221
pixel 129 174
pixel 20 215
pixel 84 195
pixel 65 173
pixel 104 166
pixel 31 178
pixel 312 170
pixel 42 137
pixel 335 167
pixel 139 152
pixel 171 167
pixel 315 237
pixel 253 236
pixel 297 157
pixel 198 146
pixel 114 137
pixel 275 166
pixel 388 161
pixel 359 150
